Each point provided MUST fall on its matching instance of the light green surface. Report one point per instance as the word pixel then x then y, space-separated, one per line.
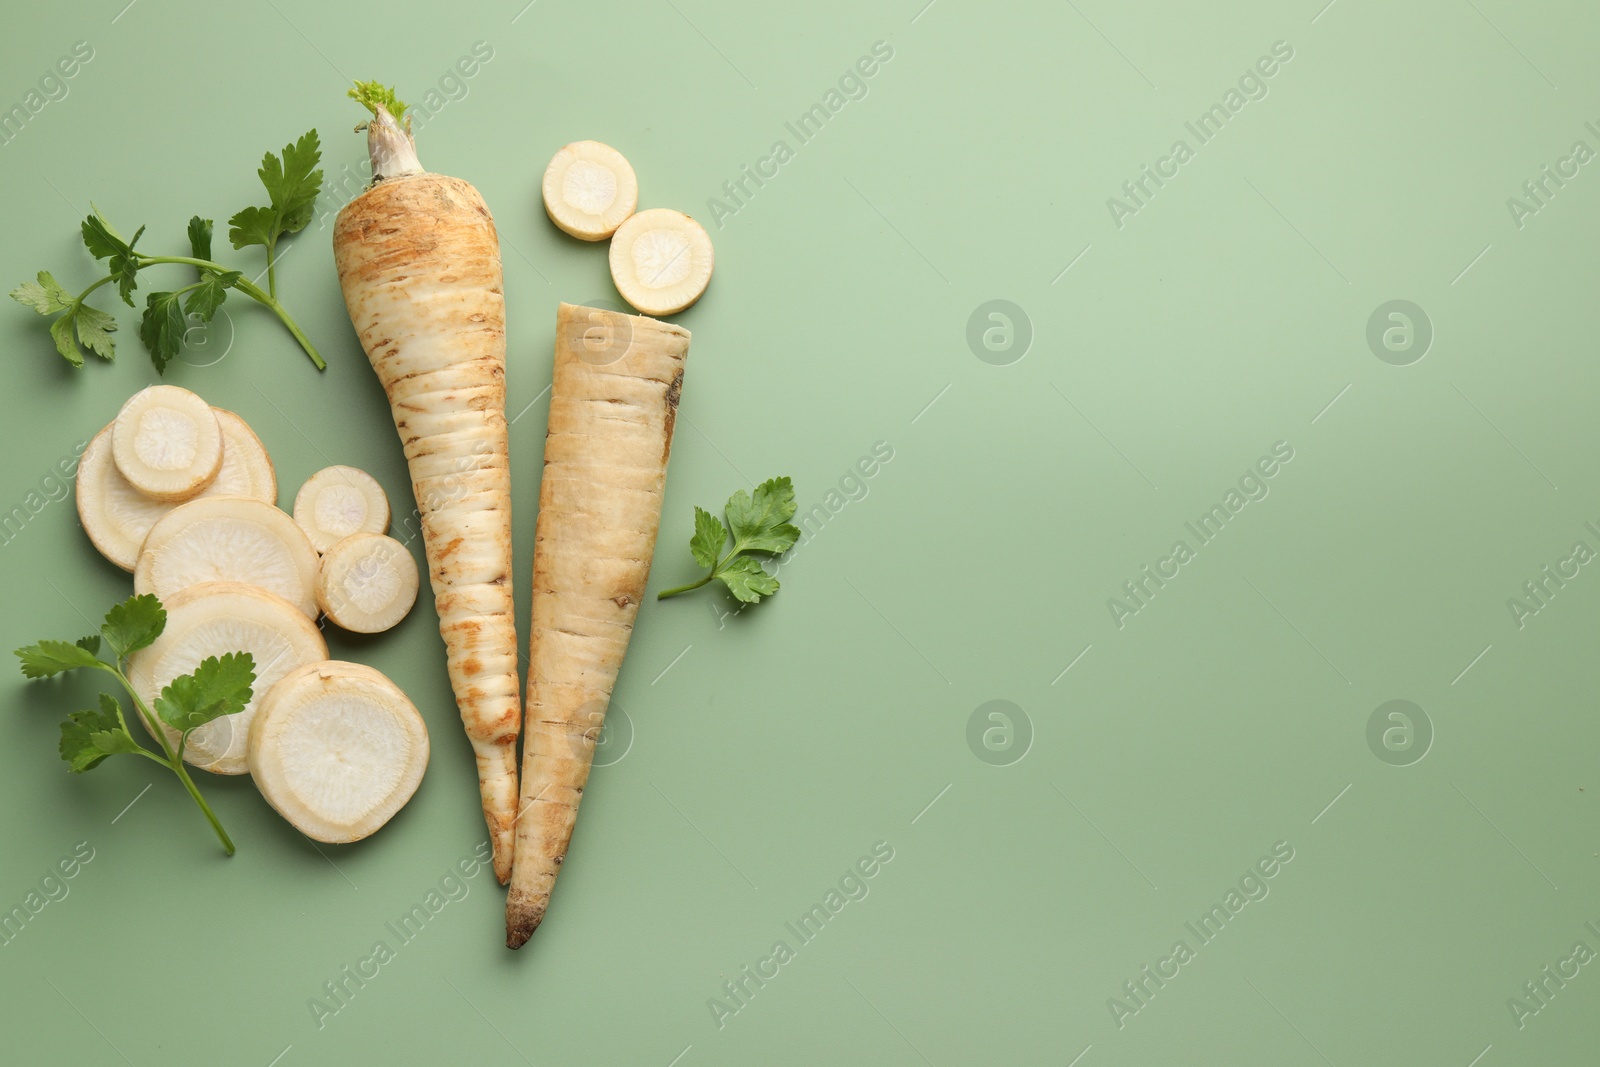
pixel 773 750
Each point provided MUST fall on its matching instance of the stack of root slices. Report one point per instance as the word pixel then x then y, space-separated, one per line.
pixel 185 496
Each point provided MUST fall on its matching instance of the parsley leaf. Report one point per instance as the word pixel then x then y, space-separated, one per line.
pixel 292 182
pixel 162 328
pixel 46 296
pixel 709 537
pixel 759 522
pixel 762 522
pixel 371 94
pixel 200 237
pixel 61 334
pixel 88 737
pixel 102 239
pixel 219 686
pixel 48 658
pixel 746 579
pixel 209 294
pixel 95 328
pixel 133 624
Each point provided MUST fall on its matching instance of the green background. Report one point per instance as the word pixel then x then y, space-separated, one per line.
pixel 771 750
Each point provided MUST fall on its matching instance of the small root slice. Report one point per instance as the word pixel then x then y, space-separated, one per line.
pixel 167 443
pixel 336 748
pixel 229 539
pixel 336 502
pixel 589 189
pixel 367 583
pixel 246 468
pixel 661 261
pixel 214 619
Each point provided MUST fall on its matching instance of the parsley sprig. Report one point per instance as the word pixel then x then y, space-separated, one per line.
pixel 292 181
pixel 759 523
pixel 219 686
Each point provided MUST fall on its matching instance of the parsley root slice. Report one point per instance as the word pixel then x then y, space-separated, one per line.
pixel 419 264
pixel 228 539
pixel 613 402
pixel 337 749
pixel 213 619
pixel 167 443
pixel 661 261
pixel 367 583
pixel 336 502
pixel 116 516
pixel 589 189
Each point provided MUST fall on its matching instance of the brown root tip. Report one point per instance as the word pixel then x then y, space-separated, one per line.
pixel 521 922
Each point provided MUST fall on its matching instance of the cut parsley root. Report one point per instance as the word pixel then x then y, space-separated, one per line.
pixel 336 502
pixel 117 517
pixel 213 619
pixel 589 189
pixel 167 443
pixel 605 467
pixel 337 749
pixel 292 182
pixel 220 685
pixel 419 264
pixel 367 583
pixel 661 261
pixel 228 539
pixel 759 523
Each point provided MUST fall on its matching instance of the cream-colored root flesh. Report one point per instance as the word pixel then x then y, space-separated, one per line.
pixel 214 619
pixel 610 433
pixel 419 264
pixel 338 501
pixel 167 443
pixel 661 261
pixel 337 749
pixel 228 539
pixel 367 583
pixel 589 189
pixel 117 517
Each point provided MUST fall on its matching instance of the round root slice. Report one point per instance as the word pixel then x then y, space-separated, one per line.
pixel 246 468
pixel 589 188
pixel 336 502
pixel 167 443
pixel 214 619
pixel 116 516
pixel 229 539
pixel 337 749
pixel 367 583
pixel 661 261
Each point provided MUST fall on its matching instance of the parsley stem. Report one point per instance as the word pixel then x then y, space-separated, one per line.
pixel 211 817
pixel 254 292
pixel 685 588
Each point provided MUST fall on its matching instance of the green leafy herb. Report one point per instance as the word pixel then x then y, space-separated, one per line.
pixel 372 94
pixel 759 522
pixel 292 181
pixel 219 686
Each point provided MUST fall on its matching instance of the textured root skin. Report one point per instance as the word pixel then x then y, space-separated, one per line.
pixel 599 508
pixel 419 263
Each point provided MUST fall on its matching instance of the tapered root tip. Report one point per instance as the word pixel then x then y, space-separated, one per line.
pixel 521 922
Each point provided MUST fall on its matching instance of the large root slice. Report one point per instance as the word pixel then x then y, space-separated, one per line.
pixel 167 443
pixel 213 619
pixel 337 749
pixel 246 468
pixel 229 539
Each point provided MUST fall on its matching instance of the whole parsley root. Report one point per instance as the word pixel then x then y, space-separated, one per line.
pixel 292 181
pixel 760 523
pixel 221 685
